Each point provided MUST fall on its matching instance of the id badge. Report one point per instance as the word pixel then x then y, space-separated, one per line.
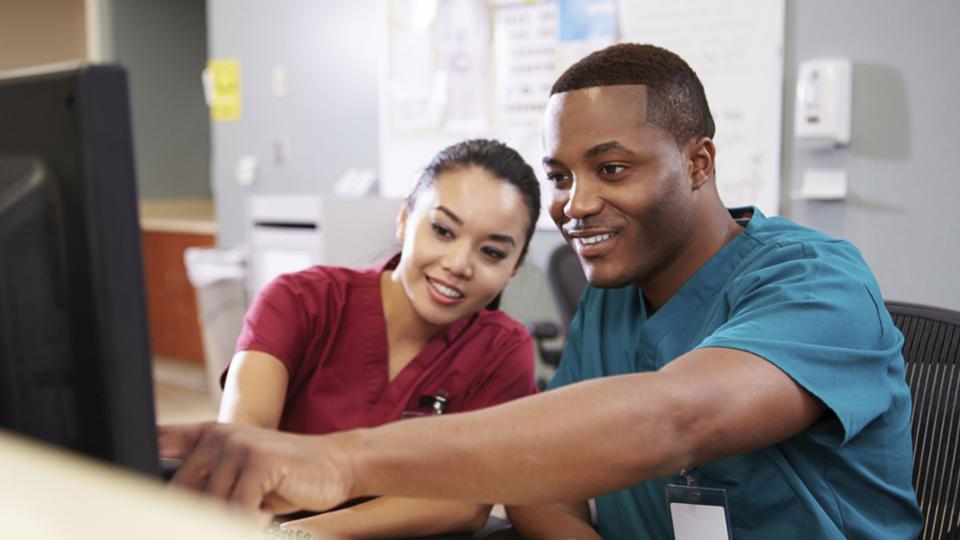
pixel 698 513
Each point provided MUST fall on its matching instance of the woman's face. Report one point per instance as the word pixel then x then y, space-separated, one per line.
pixel 462 242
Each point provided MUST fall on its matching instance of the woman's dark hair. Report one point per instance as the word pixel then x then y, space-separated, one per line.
pixel 494 157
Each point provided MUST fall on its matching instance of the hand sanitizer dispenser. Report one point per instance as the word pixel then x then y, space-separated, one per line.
pixel 823 108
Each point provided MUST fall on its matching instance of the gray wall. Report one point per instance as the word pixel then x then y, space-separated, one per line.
pixel 329 117
pixel 900 210
pixel 163 45
pixel 902 207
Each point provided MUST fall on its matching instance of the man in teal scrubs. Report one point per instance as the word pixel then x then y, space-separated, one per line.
pixel 675 276
pixel 714 347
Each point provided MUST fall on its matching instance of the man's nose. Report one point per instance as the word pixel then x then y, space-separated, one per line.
pixel 582 199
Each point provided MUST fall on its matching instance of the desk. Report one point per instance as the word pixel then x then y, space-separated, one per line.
pixel 49 494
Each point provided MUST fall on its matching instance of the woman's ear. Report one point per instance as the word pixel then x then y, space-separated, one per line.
pixel 402 219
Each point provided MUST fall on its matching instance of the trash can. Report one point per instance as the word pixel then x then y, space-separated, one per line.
pixel 219 278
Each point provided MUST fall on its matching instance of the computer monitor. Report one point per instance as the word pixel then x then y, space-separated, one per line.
pixel 74 354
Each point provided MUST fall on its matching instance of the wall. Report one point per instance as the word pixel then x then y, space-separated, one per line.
pixel 902 208
pixel 163 45
pixel 327 122
pixel 33 33
pixel 900 211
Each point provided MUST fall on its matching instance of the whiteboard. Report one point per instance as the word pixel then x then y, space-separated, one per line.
pixel 736 48
pixel 459 69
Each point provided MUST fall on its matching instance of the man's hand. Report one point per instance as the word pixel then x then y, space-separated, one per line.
pixel 260 470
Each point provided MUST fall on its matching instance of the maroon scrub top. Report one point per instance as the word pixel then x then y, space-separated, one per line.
pixel 327 326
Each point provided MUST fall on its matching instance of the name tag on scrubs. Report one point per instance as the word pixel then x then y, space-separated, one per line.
pixel 698 513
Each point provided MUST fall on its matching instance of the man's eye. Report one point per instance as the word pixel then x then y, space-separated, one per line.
pixel 611 169
pixel 442 231
pixel 556 178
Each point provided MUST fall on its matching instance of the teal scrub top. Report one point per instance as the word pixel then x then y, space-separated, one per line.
pixel 808 304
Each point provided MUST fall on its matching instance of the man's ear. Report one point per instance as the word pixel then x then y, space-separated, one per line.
pixel 402 219
pixel 701 153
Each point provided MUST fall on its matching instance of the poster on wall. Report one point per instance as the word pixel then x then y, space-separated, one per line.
pixel 583 26
pixel 437 66
pixel 221 85
pixel 459 69
pixel 525 37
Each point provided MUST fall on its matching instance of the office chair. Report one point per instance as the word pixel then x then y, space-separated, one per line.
pixel 566 281
pixel 931 350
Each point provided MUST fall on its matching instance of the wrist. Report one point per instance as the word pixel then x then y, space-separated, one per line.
pixel 348 452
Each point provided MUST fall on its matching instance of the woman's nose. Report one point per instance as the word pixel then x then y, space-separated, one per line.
pixel 457 262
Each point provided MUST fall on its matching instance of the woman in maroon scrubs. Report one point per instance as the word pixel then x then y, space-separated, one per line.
pixel 328 349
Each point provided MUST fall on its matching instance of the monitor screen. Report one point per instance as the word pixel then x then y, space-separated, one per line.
pixel 74 355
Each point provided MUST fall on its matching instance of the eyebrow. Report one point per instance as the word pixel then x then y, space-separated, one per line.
pixel 506 238
pixel 607 147
pixel 595 151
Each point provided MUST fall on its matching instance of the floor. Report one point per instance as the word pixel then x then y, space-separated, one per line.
pixel 181 392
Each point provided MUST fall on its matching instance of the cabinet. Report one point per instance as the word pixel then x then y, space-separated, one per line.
pixel 287 233
pixel 168 228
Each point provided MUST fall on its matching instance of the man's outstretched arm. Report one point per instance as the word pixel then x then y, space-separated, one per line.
pixel 567 444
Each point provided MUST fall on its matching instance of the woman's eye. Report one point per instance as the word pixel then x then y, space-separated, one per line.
pixel 442 231
pixel 494 254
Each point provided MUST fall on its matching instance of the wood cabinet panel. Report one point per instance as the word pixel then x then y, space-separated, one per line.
pixel 171 303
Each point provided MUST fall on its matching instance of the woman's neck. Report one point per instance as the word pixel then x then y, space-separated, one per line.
pixel 405 327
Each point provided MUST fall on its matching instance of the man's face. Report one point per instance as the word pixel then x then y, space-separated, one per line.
pixel 621 188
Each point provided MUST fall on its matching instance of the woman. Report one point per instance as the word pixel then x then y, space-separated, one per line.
pixel 329 349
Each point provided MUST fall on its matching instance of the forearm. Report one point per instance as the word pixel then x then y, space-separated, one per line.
pixel 566 444
pixel 393 517
pixel 570 444
pixel 568 521
pixel 592 437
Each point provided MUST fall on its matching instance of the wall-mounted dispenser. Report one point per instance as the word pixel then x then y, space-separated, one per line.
pixel 823 108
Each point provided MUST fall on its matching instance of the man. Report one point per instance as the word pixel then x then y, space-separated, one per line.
pixel 719 348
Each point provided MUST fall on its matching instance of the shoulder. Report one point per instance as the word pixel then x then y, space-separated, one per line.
pixel 496 322
pixel 786 250
pixel 320 284
pixel 794 272
pixel 499 326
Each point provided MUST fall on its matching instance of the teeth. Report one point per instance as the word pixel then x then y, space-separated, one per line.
pixel 589 240
pixel 446 291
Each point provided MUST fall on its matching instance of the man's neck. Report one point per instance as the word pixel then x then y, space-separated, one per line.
pixel 714 230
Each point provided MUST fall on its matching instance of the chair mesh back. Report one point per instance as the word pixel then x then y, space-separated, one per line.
pixel 931 350
pixel 567 282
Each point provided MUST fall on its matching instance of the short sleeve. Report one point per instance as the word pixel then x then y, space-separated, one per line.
pixel 820 320
pixel 276 323
pixel 510 374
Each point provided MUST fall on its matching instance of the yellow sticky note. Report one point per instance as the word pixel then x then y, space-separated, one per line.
pixel 225 102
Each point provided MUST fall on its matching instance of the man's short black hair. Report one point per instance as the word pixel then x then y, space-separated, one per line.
pixel 675 98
